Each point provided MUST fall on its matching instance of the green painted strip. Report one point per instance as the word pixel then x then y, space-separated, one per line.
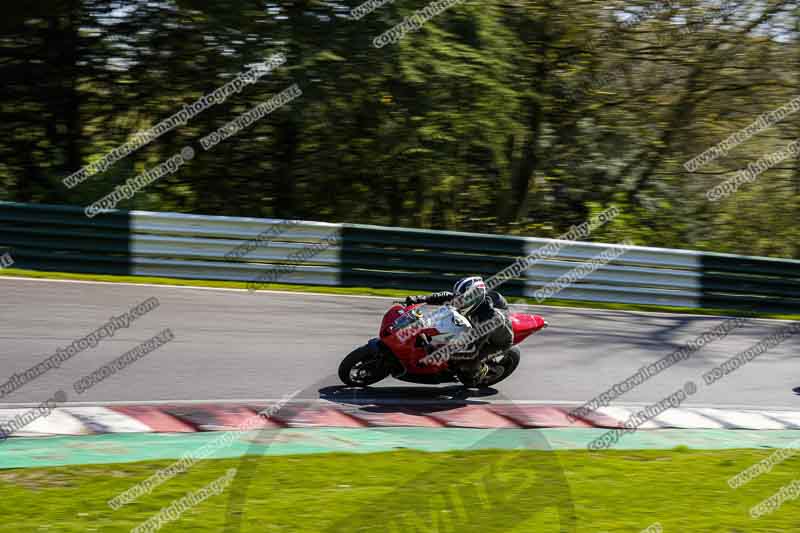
pixel 130 447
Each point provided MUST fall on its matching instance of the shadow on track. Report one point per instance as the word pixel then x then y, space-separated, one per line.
pixel 412 395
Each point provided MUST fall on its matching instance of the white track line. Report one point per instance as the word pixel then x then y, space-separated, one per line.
pixel 192 287
pixel 267 291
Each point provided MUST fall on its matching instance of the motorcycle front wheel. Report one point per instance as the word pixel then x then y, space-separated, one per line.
pixel 501 367
pixel 362 367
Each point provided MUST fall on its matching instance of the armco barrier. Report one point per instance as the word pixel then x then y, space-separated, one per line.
pixel 61 238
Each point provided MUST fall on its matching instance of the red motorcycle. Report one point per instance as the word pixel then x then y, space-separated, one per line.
pixel 400 349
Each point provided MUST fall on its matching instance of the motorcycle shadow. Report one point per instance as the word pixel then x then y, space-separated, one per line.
pixel 427 399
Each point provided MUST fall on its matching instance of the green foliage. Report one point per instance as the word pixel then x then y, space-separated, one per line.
pixel 506 117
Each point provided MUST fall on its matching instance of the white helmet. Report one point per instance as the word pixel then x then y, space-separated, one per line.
pixel 470 293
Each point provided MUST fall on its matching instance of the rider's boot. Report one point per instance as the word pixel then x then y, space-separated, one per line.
pixel 472 373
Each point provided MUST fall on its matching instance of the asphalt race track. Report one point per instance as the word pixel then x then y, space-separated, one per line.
pixel 233 345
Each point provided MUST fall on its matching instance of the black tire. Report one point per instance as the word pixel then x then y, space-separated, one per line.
pixel 363 356
pixel 509 363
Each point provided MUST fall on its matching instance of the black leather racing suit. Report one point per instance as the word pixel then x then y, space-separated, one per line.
pixel 499 339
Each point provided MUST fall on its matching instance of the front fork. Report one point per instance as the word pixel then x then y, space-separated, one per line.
pixel 387 357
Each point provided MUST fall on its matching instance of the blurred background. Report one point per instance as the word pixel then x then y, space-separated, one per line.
pixel 515 117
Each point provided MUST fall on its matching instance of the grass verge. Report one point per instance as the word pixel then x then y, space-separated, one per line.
pixel 477 491
pixel 389 293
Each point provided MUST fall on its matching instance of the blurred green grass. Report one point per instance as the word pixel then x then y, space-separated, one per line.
pixel 471 491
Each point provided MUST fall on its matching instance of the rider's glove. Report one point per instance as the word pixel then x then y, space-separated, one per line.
pixel 411 300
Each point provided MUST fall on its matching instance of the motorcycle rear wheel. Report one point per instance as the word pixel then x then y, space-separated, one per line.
pixel 362 367
pixel 502 368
